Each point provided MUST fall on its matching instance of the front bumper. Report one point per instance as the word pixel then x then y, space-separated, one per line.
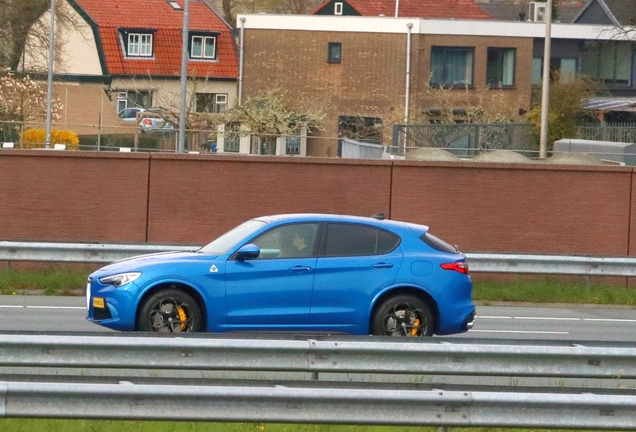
pixel 111 307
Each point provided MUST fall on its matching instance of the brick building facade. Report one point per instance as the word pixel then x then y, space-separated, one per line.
pixel 356 67
pixel 368 78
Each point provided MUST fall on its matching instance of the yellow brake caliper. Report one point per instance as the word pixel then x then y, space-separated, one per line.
pixel 182 318
pixel 416 327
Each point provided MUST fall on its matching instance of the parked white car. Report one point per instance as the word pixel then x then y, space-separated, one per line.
pixel 151 122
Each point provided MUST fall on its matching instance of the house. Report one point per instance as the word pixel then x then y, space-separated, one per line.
pixel 371 72
pixel 609 12
pixel 451 9
pixel 128 54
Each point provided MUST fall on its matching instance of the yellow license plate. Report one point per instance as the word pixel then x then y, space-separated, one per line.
pixel 99 302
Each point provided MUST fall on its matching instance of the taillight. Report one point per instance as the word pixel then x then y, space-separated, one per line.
pixel 460 266
pixel 147 121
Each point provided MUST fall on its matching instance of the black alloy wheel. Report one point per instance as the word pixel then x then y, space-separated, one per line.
pixel 404 316
pixel 170 311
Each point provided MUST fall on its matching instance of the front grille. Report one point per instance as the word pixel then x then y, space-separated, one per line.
pixel 102 314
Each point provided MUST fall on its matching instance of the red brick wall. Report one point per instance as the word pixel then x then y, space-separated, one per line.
pixel 193 198
pixel 190 199
pixel 518 208
pixel 73 196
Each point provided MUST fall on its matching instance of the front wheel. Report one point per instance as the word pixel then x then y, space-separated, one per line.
pixel 403 315
pixel 170 311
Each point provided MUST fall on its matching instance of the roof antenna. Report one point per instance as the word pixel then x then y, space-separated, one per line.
pixel 378 216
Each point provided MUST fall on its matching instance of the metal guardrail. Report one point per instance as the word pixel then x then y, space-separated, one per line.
pixel 478 262
pixel 332 402
pixel 336 355
pixel 311 405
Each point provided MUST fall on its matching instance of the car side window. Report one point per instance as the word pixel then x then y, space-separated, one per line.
pixel 288 241
pixel 358 240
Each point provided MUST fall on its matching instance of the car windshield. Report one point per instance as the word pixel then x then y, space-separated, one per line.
pixel 231 238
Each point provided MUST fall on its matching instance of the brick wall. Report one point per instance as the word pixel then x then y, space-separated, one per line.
pixel 72 196
pixel 191 199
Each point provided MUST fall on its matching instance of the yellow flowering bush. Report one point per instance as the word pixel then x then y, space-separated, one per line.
pixel 35 138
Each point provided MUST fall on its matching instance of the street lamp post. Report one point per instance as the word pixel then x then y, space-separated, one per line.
pixel 49 91
pixel 184 76
pixel 545 89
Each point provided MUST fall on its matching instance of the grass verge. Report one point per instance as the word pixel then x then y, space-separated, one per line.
pixel 552 290
pixel 45 425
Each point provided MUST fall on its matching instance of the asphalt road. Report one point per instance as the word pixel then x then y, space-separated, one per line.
pixel 35 313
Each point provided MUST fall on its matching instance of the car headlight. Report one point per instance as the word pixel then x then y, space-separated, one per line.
pixel 120 279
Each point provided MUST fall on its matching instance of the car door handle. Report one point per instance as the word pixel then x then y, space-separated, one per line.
pixel 382 265
pixel 300 268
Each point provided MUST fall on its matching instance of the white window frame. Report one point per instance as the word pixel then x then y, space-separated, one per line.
pixel 204 40
pixel 337 8
pixel 139 45
pixel 122 98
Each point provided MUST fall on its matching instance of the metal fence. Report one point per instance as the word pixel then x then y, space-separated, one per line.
pixel 615 132
pixel 468 139
pixel 312 399
pixel 361 150
pixel 478 262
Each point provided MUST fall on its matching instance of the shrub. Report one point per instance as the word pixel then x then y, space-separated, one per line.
pixel 35 138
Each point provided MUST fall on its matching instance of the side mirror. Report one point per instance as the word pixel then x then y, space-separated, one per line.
pixel 248 252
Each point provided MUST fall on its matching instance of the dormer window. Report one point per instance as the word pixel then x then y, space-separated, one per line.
pixel 137 43
pixel 337 8
pixel 203 47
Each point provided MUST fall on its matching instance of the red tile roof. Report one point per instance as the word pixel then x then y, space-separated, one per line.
pixel 457 9
pixel 111 15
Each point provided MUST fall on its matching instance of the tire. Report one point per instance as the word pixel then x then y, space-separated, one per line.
pixel 170 311
pixel 398 316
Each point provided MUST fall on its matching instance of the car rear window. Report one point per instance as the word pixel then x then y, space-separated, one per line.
pixel 358 240
pixel 437 243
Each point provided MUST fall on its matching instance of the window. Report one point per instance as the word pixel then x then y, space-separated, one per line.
pixel 500 69
pixel 609 62
pixel 232 137
pixel 133 99
pixel 560 68
pixel 537 70
pixel 337 8
pixel 451 66
pixel 211 102
pixel 203 47
pixel 334 54
pixel 292 145
pixel 139 45
pixel 358 240
pixel 288 241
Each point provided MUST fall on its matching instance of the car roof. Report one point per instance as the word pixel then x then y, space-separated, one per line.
pixel 312 217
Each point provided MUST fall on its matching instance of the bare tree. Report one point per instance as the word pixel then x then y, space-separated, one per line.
pixel 20 20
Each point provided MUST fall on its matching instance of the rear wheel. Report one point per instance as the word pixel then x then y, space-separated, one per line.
pixel 170 311
pixel 403 315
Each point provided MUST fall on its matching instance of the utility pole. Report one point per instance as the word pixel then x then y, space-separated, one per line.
pixel 49 91
pixel 184 76
pixel 545 89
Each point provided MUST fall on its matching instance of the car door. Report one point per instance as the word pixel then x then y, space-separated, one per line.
pixel 274 290
pixel 357 260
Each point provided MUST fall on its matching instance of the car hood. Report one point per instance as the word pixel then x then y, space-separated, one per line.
pixel 143 261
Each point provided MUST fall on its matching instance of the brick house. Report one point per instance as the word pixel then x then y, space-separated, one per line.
pixel 456 9
pixel 122 54
pixel 356 67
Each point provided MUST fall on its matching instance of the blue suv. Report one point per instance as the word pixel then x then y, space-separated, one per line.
pixel 303 272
